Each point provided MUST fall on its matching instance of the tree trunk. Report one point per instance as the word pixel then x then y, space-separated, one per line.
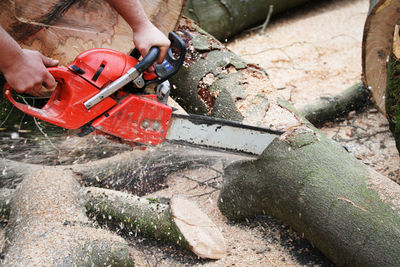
pixel 348 211
pixel 63 29
pixel 393 88
pixel 52 205
pixel 330 108
pixel 217 82
pixel 223 19
pixel 377 42
pixel 48 226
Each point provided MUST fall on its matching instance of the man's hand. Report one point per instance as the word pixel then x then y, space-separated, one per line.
pixel 27 73
pixel 146 35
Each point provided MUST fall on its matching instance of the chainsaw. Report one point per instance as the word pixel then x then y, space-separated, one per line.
pixel 104 90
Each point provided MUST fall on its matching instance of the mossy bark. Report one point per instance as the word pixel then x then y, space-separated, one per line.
pixel 128 213
pixel 348 211
pixel 329 108
pixel 213 78
pixel 224 19
pixel 393 89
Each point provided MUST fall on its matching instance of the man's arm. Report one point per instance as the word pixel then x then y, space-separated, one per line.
pixel 145 34
pixel 24 70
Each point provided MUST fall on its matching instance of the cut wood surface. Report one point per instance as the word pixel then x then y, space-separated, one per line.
pixel 377 42
pixel 63 29
pixel 223 19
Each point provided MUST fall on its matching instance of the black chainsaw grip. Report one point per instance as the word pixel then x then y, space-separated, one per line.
pixel 174 58
pixel 148 60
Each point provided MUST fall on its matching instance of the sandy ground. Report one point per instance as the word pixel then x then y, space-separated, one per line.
pixel 310 52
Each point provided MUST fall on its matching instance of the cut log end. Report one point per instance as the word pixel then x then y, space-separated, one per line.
pixel 396 42
pixel 377 43
pixel 203 236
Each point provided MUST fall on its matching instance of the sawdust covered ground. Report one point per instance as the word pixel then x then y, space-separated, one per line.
pixel 311 52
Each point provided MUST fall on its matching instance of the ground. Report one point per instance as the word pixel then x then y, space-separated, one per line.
pixel 309 52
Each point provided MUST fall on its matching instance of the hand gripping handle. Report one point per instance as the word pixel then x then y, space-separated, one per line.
pixel 65 107
pixel 174 58
pixel 172 62
pixel 59 74
pixel 148 60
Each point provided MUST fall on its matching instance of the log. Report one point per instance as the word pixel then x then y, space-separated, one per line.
pixel 393 88
pixel 177 222
pixel 377 41
pixel 48 226
pixel 223 19
pixel 63 29
pixel 216 82
pixel 330 108
pixel 53 205
pixel 348 211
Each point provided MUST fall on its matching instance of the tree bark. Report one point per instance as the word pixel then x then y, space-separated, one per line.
pixel 223 19
pixel 178 221
pixel 217 82
pixel 63 29
pixel 52 205
pixel 393 88
pixel 348 211
pixel 330 108
pixel 377 42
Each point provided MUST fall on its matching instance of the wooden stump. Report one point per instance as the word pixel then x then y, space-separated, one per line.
pixel 63 29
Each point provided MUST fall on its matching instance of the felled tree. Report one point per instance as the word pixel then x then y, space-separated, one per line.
pixel 348 211
pixel 223 19
pixel 50 214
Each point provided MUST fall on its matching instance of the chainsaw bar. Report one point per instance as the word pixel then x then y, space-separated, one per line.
pixel 219 134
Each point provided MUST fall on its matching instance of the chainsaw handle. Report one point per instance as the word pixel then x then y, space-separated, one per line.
pixel 170 65
pixel 57 72
pixel 148 60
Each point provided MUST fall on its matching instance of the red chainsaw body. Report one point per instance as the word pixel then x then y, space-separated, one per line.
pixel 138 118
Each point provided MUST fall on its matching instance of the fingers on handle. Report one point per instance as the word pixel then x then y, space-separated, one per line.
pixel 49 62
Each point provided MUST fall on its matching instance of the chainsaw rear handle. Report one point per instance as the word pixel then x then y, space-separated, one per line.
pixel 58 74
pixel 64 108
pixel 170 65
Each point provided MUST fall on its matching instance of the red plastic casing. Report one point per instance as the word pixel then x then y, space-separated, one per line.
pixel 136 118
